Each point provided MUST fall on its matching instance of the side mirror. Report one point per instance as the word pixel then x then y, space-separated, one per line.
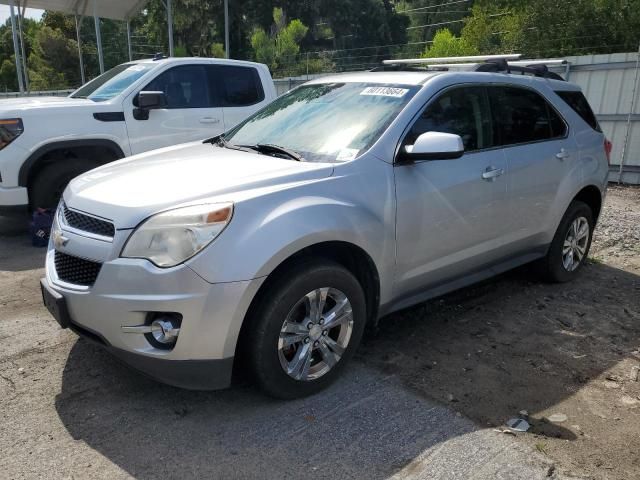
pixel 146 101
pixel 152 100
pixel 434 146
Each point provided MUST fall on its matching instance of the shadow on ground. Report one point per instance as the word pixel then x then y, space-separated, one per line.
pixel 487 351
pixel 16 252
pixel 512 344
pixel 365 426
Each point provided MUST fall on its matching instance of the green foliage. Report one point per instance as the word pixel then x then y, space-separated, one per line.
pixel 217 50
pixel 446 44
pixel 282 45
pixel 325 35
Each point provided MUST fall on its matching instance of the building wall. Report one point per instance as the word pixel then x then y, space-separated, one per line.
pixel 608 83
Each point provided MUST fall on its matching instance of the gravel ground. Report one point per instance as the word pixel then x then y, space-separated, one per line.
pixel 515 344
pixel 425 398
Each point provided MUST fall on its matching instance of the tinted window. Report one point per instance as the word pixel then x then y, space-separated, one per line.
pixel 185 87
pixel 577 101
pixel 239 86
pixel 463 111
pixel 522 116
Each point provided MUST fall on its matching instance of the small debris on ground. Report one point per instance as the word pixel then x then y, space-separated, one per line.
pixel 557 418
pixel 518 424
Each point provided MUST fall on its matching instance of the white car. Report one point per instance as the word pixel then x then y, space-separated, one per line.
pixel 132 108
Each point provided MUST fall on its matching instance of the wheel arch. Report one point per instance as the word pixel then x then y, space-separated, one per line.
pixel 592 196
pixel 100 150
pixel 352 257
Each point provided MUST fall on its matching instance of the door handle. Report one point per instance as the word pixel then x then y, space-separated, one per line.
pixel 562 154
pixel 209 120
pixel 491 173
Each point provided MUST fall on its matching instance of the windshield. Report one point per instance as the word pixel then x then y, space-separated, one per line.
pixel 111 83
pixel 326 122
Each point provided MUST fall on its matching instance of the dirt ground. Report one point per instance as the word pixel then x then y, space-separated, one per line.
pixel 487 353
pixel 515 344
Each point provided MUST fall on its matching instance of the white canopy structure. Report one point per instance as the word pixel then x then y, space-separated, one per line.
pixel 112 9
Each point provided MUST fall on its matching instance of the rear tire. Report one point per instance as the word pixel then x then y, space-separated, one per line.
pixel 47 187
pixel 295 349
pixel 570 246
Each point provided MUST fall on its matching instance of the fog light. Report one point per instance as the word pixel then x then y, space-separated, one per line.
pixel 161 329
pixel 164 331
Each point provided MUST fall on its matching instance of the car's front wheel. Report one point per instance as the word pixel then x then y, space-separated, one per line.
pixel 570 246
pixel 306 326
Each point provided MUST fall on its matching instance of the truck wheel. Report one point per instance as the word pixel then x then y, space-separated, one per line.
pixel 570 246
pixel 305 329
pixel 49 184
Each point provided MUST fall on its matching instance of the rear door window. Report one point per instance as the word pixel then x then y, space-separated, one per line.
pixel 238 86
pixel 523 116
pixel 578 102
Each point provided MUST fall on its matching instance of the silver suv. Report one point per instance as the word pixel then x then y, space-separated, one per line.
pixel 342 201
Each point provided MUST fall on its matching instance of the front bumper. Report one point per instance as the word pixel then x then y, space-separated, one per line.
pixel 14 199
pixel 127 290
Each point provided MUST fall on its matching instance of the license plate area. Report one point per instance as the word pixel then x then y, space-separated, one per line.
pixel 55 303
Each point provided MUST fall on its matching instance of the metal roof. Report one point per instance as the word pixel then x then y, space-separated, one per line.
pixel 114 9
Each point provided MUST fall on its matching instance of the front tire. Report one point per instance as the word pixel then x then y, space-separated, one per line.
pixel 49 184
pixel 570 246
pixel 305 328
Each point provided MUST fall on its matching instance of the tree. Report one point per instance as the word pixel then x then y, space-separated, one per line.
pixel 282 46
pixel 446 44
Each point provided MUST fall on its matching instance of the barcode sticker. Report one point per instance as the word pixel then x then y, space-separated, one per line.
pixel 385 91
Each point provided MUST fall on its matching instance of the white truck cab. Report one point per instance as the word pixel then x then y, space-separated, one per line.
pixel 132 108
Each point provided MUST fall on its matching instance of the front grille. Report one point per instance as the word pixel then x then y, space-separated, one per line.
pixel 76 270
pixel 87 223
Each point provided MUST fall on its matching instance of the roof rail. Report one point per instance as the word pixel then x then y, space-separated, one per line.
pixel 538 68
pixel 439 60
pixel 478 63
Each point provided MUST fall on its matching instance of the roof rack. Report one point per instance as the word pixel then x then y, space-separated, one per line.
pixel 440 60
pixel 478 63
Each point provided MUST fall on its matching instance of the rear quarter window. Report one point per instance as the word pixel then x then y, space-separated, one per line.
pixel 523 116
pixel 237 86
pixel 580 105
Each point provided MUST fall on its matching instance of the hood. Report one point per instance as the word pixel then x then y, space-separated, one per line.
pixel 26 103
pixel 130 190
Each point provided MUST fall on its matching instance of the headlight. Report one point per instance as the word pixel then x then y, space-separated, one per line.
pixel 171 237
pixel 10 129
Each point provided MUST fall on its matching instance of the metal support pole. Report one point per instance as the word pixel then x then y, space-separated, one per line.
pixel 631 109
pixel 78 25
pixel 129 40
pixel 170 27
pixel 96 20
pixel 22 49
pixel 16 50
pixel 226 28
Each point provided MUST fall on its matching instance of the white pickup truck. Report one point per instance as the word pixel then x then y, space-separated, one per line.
pixel 132 108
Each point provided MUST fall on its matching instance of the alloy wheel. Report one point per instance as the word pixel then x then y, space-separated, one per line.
pixel 575 244
pixel 315 334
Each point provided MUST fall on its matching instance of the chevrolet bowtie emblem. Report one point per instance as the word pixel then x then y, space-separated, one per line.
pixel 59 240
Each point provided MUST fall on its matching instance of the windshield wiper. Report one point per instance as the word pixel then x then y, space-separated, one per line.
pixel 220 141
pixel 270 147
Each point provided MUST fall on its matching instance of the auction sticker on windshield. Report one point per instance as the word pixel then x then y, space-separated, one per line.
pixel 385 91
